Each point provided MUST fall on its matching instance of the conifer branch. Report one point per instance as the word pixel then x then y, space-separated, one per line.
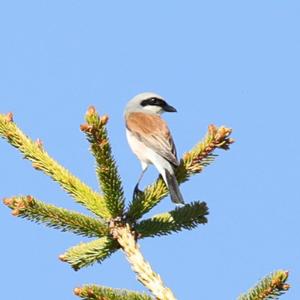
pixel 86 254
pixel 95 292
pixel 110 207
pixel 186 217
pixel 140 266
pixel 193 162
pixel 202 155
pixel 34 152
pixel 106 169
pixel 59 218
pixel 270 287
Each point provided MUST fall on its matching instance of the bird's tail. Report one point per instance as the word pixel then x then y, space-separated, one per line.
pixel 172 184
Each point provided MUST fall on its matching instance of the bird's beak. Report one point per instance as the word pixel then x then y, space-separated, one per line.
pixel 169 108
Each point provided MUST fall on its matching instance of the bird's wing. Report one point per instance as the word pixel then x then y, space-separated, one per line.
pixel 153 131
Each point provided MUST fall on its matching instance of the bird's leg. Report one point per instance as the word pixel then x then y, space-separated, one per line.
pixel 136 188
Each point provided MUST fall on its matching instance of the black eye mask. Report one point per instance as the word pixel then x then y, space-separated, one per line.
pixel 154 101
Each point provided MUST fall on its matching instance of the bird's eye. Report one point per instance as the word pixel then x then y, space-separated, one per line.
pixel 154 101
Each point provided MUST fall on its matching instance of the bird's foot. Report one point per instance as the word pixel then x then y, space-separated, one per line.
pixel 136 191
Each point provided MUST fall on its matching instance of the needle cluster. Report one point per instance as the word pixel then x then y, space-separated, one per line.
pixel 270 287
pixel 114 225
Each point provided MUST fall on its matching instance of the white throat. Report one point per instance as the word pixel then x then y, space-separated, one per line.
pixel 154 109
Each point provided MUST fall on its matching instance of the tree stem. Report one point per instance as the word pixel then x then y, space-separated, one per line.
pixel 140 266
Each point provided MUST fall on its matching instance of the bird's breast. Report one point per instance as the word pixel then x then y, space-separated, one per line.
pixel 138 148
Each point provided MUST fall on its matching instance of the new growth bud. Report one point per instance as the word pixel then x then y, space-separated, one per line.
pixel 286 286
pixel 36 166
pixel 15 212
pixel 29 199
pixel 77 291
pixel 212 129
pixel 285 275
pixel 86 127
pixel 39 143
pixel 91 111
pixel 104 119
pixel 9 117
pixel 90 293
pixel 8 201
pixel 63 258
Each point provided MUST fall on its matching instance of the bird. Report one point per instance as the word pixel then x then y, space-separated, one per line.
pixel 150 139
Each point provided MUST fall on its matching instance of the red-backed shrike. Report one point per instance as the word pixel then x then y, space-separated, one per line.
pixel 150 139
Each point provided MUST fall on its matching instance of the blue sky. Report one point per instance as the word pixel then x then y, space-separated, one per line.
pixel 223 62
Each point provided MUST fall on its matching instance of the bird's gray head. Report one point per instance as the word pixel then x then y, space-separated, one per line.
pixel 150 103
